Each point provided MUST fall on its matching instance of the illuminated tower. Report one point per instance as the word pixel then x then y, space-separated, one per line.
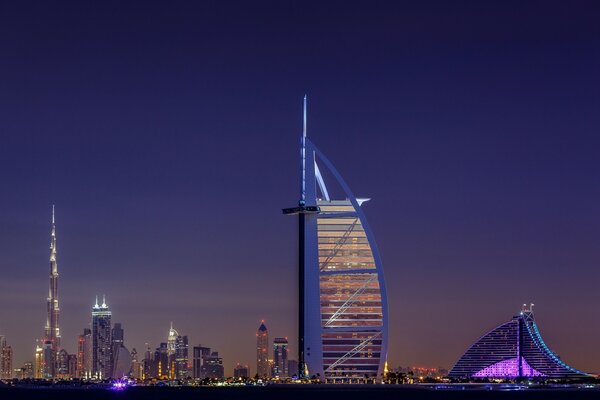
pixel 262 351
pixel 102 360
pixel 280 357
pixel 343 306
pixel 52 331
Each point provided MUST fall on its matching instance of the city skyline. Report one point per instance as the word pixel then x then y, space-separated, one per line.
pixel 168 141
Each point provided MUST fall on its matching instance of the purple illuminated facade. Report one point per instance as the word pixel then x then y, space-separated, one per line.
pixel 514 349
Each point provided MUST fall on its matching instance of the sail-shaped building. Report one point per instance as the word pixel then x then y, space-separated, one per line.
pixel 512 350
pixel 342 307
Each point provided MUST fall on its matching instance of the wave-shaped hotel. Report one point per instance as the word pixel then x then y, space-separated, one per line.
pixel 342 306
pixel 514 349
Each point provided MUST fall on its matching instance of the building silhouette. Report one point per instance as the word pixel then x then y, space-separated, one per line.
pixel 102 360
pixel 280 357
pixel 514 349
pixel 262 351
pixel 241 371
pixel 200 353
pixel 343 329
pixel 120 355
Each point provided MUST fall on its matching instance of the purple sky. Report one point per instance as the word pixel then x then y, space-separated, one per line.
pixel 167 136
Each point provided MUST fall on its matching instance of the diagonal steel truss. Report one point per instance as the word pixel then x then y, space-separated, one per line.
pixel 353 352
pixel 340 243
pixel 348 303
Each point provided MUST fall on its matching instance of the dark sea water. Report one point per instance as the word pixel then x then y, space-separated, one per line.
pixel 300 392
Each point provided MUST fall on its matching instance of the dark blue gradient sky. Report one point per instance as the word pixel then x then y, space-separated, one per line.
pixel 167 133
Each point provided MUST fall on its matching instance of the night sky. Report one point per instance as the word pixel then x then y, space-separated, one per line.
pixel 167 136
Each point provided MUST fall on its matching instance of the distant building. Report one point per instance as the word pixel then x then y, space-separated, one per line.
pixel 6 359
pixel 177 350
pixel 27 371
pixel 102 362
pixel 161 362
pixel 48 360
pixel 84 355
pixel 137 366
pixel 149 365
pixel 51 331
pixel 262 351
pixel 293 368
pixel 514 349
pixel 120 354
pixel 181 358
pixel 213 366
pixel 199 355
pixel 62 364
pixel 39 362
pixel 72 365
pixel 280 357
pixel 241 371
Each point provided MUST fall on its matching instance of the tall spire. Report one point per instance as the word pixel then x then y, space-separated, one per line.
pixel 52 330
pixel 302 201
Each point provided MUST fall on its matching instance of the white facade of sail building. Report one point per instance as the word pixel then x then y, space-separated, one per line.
pixel 343 306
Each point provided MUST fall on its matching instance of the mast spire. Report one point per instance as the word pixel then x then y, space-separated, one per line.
pixel 302 201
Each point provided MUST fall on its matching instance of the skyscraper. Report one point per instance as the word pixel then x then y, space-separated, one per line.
pixel 262 351
pixel 120 355
pixel 6 359
pixel 177 352
pixel 342 306
pixel 101 341
pixel 84 355
pixel 39 362
pixel 199 356
pixel 52 331
pixel 181 357
pixel 280 357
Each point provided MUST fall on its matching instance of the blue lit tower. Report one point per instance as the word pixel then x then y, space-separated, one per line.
pixel 342 306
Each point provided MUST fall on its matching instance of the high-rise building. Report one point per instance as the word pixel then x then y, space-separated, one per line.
pixel 514 349
pixel 48 360
pixel 199 355
pixel 241 371
pixel 181 357
pixel 177 352
pixel 161 361
pixel 149 367
pixel 85 355
pixel 6 359
pixel 62 364
pixel 120 354
pixel 280 357
pixel 52 330
pixel 102 362
pixel 213 366
pixel 342 307
pixel 137 365
pixel 39 362
pixel 262 351
pixel 27 371
pixel 72 366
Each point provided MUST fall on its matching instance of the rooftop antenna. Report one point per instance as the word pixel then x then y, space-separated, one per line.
pixel 53 214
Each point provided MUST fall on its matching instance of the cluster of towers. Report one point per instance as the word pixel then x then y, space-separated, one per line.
pixel 277 367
